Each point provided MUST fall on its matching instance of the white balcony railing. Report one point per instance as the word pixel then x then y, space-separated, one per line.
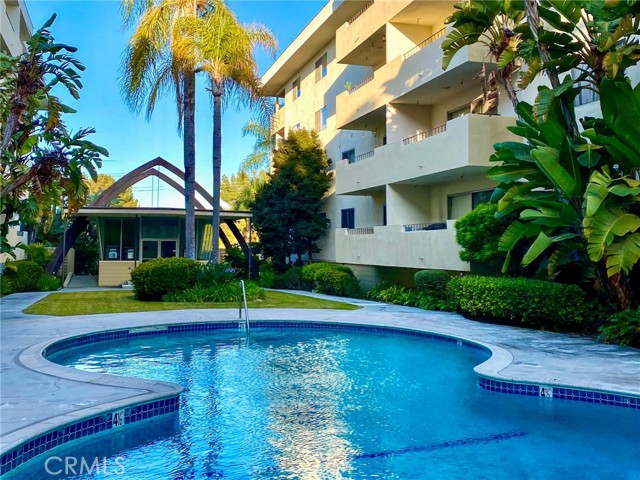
pixel 439 34
pixel 360 231
pixel 424 134
pixel 359 84
pixel 360 12
pixel 422 227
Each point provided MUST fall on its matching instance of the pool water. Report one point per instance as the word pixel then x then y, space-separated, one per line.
pixel 327 404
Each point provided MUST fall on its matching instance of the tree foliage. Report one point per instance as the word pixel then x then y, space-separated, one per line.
pixel 287 209
pixel 575 195
pixel 104 181
pixel 43 164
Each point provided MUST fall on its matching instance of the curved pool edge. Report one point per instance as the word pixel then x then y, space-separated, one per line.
pixel 34 358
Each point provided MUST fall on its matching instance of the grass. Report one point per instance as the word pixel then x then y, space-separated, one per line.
pixel 90 303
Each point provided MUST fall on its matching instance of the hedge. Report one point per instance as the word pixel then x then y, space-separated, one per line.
pixel 432 282
pixel 398 295
pixel 520 301
pixel 156 278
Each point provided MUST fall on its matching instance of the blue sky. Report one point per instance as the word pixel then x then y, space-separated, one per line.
pixel 95 28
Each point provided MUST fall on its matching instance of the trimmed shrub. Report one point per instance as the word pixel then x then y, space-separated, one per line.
pixel 478 233
pixel 332 281
pixel 520 301
pixel 220 293
pixel 310 272
pixel 290 280
pixel 156 278
pixel 622 328
pixel 24 275
pixel 49 283
pixel 432 282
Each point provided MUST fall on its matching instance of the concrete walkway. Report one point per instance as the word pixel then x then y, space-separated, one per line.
pixel 37 395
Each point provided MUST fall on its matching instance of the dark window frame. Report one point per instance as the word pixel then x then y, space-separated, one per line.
pixel 348 218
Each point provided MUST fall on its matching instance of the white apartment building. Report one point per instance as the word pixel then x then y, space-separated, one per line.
pixel 409 159
pixel 15 26
pixel 15 30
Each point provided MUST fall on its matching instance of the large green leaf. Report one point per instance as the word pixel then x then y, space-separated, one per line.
pixel 596 192
pixel 540 244
pixel 604 226
pixel 569 9
pixel 510 173
pixel 548 159
pixel 516 232
pixel 623 255
pixel 548 96
pixel 460 37
pixel 621 112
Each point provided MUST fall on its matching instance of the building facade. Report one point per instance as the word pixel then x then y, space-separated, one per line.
pixel 408 155
pixel 15 30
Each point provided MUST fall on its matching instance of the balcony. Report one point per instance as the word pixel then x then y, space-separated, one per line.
pixel 461 146
pixel 394 246
pixel 367 26
pixel 416 76
pixel 277 121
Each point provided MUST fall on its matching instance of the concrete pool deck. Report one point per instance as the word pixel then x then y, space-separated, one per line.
pixel 37 395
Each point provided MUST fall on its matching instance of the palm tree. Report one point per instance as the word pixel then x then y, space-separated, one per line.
pixel 261 156
pixel 227 50
pixel 155 62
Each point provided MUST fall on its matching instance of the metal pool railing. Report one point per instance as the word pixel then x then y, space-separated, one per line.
pixel 243 298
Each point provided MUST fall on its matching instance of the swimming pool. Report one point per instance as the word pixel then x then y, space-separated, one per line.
pixel 316 404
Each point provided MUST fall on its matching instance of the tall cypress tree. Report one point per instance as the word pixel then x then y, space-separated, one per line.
pixel 287 209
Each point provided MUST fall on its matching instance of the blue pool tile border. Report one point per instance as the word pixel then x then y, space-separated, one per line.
pixel 84 428
pixel 564 393
pixel 168 405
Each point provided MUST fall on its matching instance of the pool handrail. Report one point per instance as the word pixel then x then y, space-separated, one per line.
pixel 243 298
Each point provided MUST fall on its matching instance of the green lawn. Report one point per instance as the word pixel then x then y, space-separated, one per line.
pixel 89 303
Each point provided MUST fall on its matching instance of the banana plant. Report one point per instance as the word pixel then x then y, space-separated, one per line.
pixel 611 227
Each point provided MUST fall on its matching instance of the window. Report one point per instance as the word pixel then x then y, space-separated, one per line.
pixel 480 197
pixel 295 86
pixel 459 112
pixel 321 119
pixel 458 205
pixel 349 155
pixel 384 215
pixel 321 67
pixel 348 218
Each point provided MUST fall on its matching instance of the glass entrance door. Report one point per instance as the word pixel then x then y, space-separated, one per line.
pixel 168 248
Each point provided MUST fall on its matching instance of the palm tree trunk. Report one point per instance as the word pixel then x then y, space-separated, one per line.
pixel 217 165
pixel 189 152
